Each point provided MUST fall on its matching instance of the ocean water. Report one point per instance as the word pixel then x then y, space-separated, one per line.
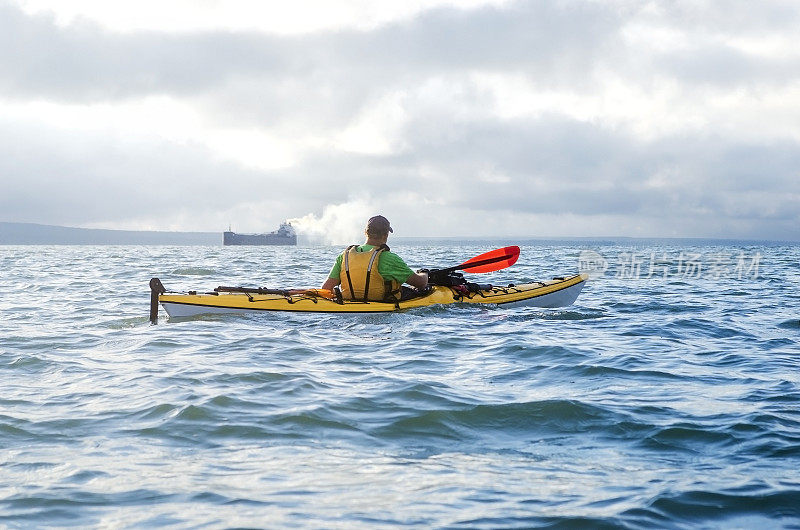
pixel 668 396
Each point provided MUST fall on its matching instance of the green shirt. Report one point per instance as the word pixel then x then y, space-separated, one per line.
pixel 390 265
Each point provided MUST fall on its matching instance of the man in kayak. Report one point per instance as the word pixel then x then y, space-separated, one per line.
pixel 371 272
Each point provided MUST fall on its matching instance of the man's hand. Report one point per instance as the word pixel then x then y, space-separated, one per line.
pixel 435 276
pixel 418 279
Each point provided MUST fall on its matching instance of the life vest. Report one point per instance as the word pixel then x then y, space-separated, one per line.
pixel 360 277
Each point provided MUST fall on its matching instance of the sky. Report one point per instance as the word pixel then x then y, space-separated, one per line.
pixel 472 118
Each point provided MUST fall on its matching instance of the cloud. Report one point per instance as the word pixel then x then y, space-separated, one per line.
pixel 103 177
pixel 608 171
pixel 84 61
pixel 298 17
pixel 578 115
pixel 556 44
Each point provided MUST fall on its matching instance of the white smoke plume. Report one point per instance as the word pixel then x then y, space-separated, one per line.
pixel 339 224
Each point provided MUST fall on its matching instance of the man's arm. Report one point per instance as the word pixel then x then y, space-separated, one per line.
pixel 418 280
pixel 391 266
pixel 333 277
pixel 330 283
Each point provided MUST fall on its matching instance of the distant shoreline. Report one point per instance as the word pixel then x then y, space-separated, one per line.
pixel 40 234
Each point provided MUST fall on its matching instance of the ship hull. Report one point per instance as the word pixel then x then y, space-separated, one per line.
pixel 232 238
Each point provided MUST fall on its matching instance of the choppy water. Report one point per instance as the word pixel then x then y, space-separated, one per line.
pixel 653 402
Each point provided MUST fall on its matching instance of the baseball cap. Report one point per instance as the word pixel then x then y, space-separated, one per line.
pixel 378 224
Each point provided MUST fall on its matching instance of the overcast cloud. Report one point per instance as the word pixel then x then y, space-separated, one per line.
pixel 493 118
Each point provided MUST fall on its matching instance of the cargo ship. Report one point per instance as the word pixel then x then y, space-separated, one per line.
pixel 285 235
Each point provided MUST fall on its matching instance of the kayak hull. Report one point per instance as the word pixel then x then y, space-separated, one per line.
pixel 559 292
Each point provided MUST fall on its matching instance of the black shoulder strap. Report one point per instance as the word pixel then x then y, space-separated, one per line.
pixel 347 271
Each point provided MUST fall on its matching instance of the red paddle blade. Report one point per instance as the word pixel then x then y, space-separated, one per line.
pixel 492 261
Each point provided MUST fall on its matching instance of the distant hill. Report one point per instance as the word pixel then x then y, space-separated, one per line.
pixel 36 234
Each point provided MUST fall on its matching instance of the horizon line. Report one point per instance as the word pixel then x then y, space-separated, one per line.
pixel 439 237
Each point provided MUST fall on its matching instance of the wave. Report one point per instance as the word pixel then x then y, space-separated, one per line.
pixel 537 417
pixel 194 271
pixel 723 508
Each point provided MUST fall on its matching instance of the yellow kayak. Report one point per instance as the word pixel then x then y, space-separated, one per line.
pixel 558 292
